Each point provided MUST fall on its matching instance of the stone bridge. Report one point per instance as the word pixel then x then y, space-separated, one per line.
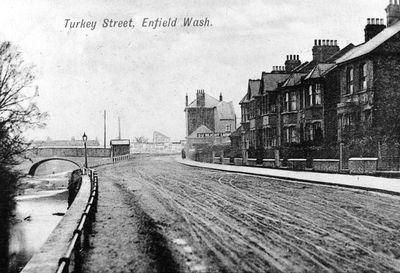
pixel 31 166
pixel 35 165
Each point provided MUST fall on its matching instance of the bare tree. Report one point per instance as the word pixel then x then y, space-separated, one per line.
pixel 141 139
pixel 18 112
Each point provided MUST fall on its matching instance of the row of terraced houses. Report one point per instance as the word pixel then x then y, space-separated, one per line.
pixel 347 98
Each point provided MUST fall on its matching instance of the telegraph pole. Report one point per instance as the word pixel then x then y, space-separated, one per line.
pixel 119 128
pixel 105 129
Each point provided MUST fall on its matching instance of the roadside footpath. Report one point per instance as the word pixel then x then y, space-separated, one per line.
pixel 364 182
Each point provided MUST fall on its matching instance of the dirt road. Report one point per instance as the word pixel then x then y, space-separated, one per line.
pixel 156 215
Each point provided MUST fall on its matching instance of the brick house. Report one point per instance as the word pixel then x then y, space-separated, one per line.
pixel 369 88
pixel 341 96
pixel 209 121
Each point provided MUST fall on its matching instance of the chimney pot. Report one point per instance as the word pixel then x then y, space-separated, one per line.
pixel 315 42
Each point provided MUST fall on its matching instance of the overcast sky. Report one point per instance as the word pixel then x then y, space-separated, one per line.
pixel 143 74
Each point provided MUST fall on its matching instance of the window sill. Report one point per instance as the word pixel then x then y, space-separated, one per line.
pixel 291 112
pixel 268 114
pixel 362 91
pixel 314 106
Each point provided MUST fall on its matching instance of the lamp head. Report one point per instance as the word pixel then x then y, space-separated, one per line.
pixel 84 137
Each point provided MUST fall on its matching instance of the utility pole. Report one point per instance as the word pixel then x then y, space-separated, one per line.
pixel 119 128
pixel 105 129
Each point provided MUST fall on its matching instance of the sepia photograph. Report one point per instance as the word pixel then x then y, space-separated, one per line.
pixel 199 136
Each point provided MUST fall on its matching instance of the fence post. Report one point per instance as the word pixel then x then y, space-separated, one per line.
pixel 341 155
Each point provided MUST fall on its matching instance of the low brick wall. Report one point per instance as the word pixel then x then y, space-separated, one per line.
pixel 251 162
pixel 226 161
pixel 363 165
pixel 297 164
pixel 269 163
pixel 217 160
pixel 238 161
pixel 326 165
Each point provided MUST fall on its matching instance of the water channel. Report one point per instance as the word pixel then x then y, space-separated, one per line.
pixel 41 203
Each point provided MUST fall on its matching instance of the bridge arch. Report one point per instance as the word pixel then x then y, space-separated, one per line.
pixel 33 168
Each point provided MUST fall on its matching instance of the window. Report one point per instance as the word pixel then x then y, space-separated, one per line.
pixel 290 135
pixel 270 137
pixel 301 102
pixel 350 80
pixel 287 102
pixel 293 134
pixel 318 100
pixel 310 96
pixel 271 103
pixel 293 101
pixel 363 77
pixel 318 134
pixel 264 105
pixel 287 135
pixel 228 128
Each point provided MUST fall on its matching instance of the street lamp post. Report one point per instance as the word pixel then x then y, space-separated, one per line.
pixel 84 138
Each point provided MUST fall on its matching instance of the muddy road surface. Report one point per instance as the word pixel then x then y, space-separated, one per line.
pixel 156 215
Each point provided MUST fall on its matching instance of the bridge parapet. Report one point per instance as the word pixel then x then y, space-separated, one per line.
pixel 66 151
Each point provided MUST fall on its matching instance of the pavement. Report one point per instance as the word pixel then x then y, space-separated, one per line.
pixel 364 182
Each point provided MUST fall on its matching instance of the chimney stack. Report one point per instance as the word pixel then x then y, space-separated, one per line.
pixel 393 12
pixel 201 99
pixel 374 27
pixel 292 61
pixel 324 49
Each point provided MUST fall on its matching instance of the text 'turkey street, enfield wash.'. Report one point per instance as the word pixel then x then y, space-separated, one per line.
pixel 151 23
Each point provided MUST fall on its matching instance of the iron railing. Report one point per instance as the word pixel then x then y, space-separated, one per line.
pixel 122 157
pixel 72 260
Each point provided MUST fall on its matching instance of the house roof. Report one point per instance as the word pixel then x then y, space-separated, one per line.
pixel 254 86
pixel 319 70
pixel 293 79
pixel 225 110
pixel 244 100
pixel 237 132
pixel 270 81
pixel 304 67
pixel 371 45
pixel 201 130
pixel 210 102
pixel 340 53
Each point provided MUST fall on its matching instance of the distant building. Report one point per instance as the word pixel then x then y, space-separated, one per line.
pixel 209 120
pixel 120 147
pixel 65 143
pixel 160 138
